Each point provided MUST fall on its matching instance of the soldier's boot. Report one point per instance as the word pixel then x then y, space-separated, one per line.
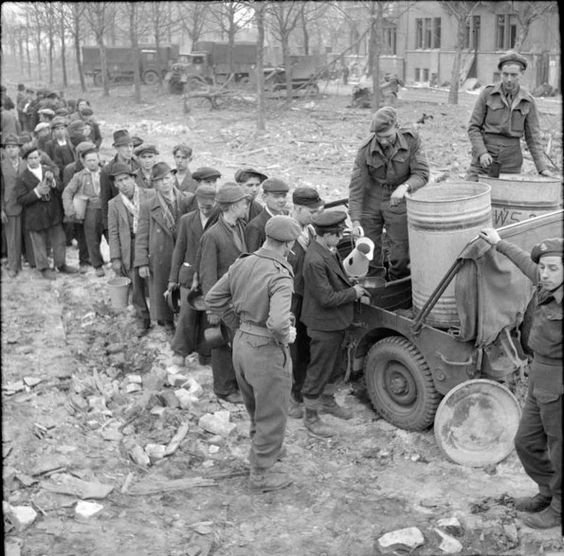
pixel 532 504
pixel 330 405
pixel 546 519
pixel 265 480
pixel 315 425
pixel 296 408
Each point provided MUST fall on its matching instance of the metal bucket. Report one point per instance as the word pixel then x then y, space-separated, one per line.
pixel 516 197
pixel 80 202
pixel 441 220
pixel 119 291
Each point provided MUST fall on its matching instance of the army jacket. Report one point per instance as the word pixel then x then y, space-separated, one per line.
pixel 405 163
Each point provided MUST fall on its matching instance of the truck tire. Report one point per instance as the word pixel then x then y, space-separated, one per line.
pixel 400 384
pixel 150 77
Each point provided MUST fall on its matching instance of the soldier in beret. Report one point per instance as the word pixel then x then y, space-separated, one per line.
pixel 258 289
pixel 251 180
pixel 147 156
pixel 275 195
pixel 306 204
pixel 538 441
pixel 388 165
pixel 327 312
pixel 503 114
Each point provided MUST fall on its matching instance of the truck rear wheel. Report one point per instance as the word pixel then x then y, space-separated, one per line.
pixel 97 78
pixel 150 77
pixel 400 384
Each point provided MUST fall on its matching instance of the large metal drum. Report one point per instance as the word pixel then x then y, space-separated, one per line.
pixel 442 219
pixel 516 197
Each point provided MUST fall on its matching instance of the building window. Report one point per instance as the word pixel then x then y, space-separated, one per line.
pixel 426 74
pixel 437 32
pixel 390 38
pixel 472 33
pixel 428 32
pixel 417 75
pixel 506 32
pixel 418 33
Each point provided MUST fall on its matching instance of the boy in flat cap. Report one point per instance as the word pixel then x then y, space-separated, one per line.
pixel 183 177
pixel 275 195
pixel 306 204
pixel 388 165
pixel 147 156
pixel 258 289
pixel 220 245
pixel 538 441
pixel 251 180
pixel 327 312
pixel 206 175
pixel 60 149
pixel 503 114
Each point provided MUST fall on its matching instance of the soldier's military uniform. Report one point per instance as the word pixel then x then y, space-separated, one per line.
pixel 258 287
pixel 377 172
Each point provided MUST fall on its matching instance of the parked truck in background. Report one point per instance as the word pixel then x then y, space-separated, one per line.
pixel 208 62
pixel 120 63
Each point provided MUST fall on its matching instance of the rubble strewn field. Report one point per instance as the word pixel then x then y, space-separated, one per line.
pixel 109 449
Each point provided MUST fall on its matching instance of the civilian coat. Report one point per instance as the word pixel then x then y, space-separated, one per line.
pixel 254 232
pixel 119 230
pixel 154 245
pixel 190 231
pixel 328 294
pixel 61 155
pixel 188 184
pixel 39 214
pixel 10 203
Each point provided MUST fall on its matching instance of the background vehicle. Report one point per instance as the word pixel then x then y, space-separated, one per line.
pixel 120 63
pixel 305 71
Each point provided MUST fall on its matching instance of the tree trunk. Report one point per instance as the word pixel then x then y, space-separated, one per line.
pixel 76 22
pixel 51 41
pixel 259 12
pixel 287 65
pixel 231 39
pixel 103 65
pixel 455 75
pixel 27 53
pixel 304 30
pixel 377 47
pixel 159 61
pixel 63 53
pixel 38 48
pixel 132 8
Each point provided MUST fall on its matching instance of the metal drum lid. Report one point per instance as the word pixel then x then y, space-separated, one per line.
pixel 476 422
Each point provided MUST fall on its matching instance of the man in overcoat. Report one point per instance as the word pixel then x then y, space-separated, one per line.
pixel 251 180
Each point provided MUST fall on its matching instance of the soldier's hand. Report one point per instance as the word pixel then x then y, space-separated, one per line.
pixel 213 320
pixel 359 291
pixel 292 335
pixel 171 286
pixel 144 272
pixel 485 160
pixel 357 230
pixel 4 217
pixel 116 267
pixel 398 194
pixel 490 235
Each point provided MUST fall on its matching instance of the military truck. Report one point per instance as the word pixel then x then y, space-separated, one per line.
pixel 120 62
pixel 209 62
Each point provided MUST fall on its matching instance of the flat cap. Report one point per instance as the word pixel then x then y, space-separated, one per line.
pixel 76 126
pixel 306 197
pixel 159 171
pixel 26 151
pixel 274 185
pixel 243 174
pixel 552 246
pixel 512 57
pixel 58 120
pixel 329 219
pixel 205 191
pixel 25 138
pixel 11 139
pixel 40 126
pixel 136 141
pixel 384 119
pixel 205 173
pixel 282 228
pixel 121 137
pixel 145 148
pixel 89 150
pixel 120 168
pixel 230 193
pixel 84 146
pixel 46 112
pixel 87 111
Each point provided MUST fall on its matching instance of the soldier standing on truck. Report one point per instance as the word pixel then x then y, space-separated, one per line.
pixel 503 113
pixel 389 164
pixel 538 441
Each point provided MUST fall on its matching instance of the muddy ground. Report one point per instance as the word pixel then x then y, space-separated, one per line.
pixel 79 390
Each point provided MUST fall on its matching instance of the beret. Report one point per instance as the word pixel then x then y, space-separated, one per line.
pixel 26 151
pixel 205 191
pixel 307 197
pixel 274 185
pixel 120 168
pixel 282 228
pixel 159 171
pixel 76 126
pixel 511 57
pixel 384 119
pixel 205 173
pixel 552 246
pixel 230 193
pixel 84 146
pixel 243 174
pixel 46 111
pixel 58 120
pixel 40 126
pixel 145 148
pixel 329 219
pixel 11 139
pixel 121 137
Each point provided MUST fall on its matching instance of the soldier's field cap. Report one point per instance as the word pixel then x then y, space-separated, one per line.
pixel 552 247
pixel 329 220
pixel 11 139
pixel 282 228
pixel 206 173
pixel 306 197
pixel 40 126
pixel 145 148
pixel 243 174
pixel 84 146
pixel 120 168
pixel 384 119
pixel 57 121
pixel 274 185
pixel 230 193
pixel 159 171
pixel 205 191
pixel 121 137
pixel 511 57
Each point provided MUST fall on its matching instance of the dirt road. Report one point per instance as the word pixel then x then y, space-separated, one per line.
pixel 90 390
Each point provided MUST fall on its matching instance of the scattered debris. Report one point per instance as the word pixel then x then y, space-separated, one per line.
pixel 155 452
pixel 87 509
pixel 136 453
pixel 217 423
pixel 449 544
pixel 186 399
pixel 451 525
pixel 158 486
pixel 176 439
pixel 409 538
pixel 67 484
pixel 32 381
pixel 19 517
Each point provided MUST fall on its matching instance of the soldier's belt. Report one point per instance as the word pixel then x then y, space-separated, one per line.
pixel 255 329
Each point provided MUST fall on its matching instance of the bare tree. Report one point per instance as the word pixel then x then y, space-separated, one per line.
pixel 461 11
pixel 132 11
pixel 59 12
pixel 35 22
pixel 193 18
pixel 74 13
pixel 261 112
pixel 527 13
